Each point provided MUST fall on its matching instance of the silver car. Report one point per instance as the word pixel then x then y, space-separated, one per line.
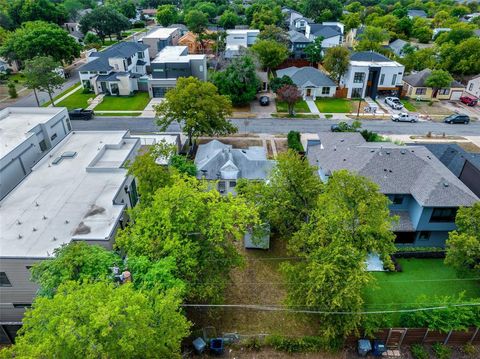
pixel 394 103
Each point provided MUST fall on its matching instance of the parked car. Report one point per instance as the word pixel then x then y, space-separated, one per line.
pixel 404 117
pixel 469 101
pixel 394 103
pixel 81 114
pixel 457 118
pixel 264 101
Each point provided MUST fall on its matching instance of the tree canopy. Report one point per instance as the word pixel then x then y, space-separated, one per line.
pixel 336 61
pixel 104 21
pixel 290 94
pixel 270 53
pixel 40 75
pixel 322 10
pixel 167 15
pixel 438 79
pixel 199 106
pixel 372 38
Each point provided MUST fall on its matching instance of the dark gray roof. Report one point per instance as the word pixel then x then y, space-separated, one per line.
pixel 417 13
pixel 325 31
pixel 306 76
pixel 112 77
pixel 120 50
pixel 216 160
pixel 396 169
pixel 452 156
pixel 397 46
pixel 418 79
pixel 296 37
pixel 404 223
pixel 368 56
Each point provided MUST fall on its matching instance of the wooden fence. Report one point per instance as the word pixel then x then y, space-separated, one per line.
pixel 395 337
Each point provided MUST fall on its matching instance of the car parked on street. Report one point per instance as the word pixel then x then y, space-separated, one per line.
pixel 404 117
pixel 469 101
pixel 81 114
pixel 394 103
pixel 264 101
pixel 457 118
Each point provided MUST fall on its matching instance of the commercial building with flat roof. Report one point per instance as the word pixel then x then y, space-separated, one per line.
pixel 78 191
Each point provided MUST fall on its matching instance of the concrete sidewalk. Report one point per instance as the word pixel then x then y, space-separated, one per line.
pixel 312 107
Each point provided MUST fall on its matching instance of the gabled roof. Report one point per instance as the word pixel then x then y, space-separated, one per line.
pixel 417 13
pixel 296 36
pixel 397 45
pixel 418 79
pixel 325 31
pixel 216 160
pixel 369 56
pixel 307 76
pixel 120 50
pixel 396 169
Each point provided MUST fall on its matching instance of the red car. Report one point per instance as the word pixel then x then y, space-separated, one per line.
pixel 469 101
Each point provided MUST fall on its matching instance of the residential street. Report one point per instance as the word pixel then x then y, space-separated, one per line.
pixel 278 126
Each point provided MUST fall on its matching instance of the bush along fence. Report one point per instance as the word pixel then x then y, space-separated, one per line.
pixel 395 337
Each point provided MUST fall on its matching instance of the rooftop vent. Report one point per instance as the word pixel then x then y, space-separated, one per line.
pixel 387 152
pixel 69 154
pixel 403 152
pixel 445 184
pixel 57 160
pixel 372 150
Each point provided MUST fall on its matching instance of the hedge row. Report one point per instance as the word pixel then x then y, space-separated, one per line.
pixel 294 142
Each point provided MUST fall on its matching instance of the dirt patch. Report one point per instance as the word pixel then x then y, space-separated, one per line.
pixel 281 144
pixel 270 154
pixel 469 147
pixel 236 142
pixel 245 108
pixel 435 109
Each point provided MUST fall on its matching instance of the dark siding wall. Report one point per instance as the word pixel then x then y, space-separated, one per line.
pixel 470 175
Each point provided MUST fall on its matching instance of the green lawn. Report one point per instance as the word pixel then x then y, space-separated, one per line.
pixel 136 102
pixel 333 105
pixel 408 105
pixel 76 100
pixel 63 93
pixel 117 114
pixel 300 106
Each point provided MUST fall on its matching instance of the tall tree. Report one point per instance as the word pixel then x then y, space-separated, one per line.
pixel 336 61
pixel 287 198
pixel 314 50
pixel 197 227
pixel 270 53
pixel 22 11
pixel 167 15
pixel 124 7
pixel 39 38
pixel 238 81
pixel 73 7
pixel 274 33
pixel 229 19
pixel 438 79
pixel 100 320
pixel 199 106
pixel 40 75
pixel 290 94
pixel 372 38
pixel 463 244
pixel 322 10
pixel 196 21
pixel 104 21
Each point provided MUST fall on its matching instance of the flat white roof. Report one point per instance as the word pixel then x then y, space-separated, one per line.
pixel 376 63
pixel 73 199
pixel 242 31
pixel 161 33
pixel 17 122
pixel 174 54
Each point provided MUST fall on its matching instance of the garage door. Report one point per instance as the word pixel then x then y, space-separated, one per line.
pixel 456 95
pixel 158 91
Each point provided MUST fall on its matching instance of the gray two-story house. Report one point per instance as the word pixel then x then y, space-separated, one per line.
pixel 297 44
pixel 170 64
pixel 425 195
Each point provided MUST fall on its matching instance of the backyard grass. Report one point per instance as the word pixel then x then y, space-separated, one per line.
pixel 408 105
pixel 333 105
pixel 136 102
pixel 76 100
pixel 430 277
pixel 300 106
pixel 63 93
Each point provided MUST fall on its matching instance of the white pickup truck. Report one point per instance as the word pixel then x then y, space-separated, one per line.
pixel 404 117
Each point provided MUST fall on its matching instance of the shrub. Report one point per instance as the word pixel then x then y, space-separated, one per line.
pixel 278 82
pixel 12 91
pixel 419 352
pixel 398 267
pixel 183 165
pixel 370 136
pixel 470 350
pixel 328 115
pixel 442 351
pixel 139 24
pixel 253 343
pixel 293 140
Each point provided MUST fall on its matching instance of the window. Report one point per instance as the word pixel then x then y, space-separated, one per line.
pixel 358 77
pixel 382 78
pixel 470 87
pixel 357 93
pixel 69 125
pixel 141 55
pixel 116 66
pixel 443 215
pixel 405 237
pixel 221 186
pixel 4 282
pixel 129 61
pixel 397 199
pixel 54 136
pixel 394 79
pixel 424 235
pixel 421 91
pixel 43 145
pixel 233 183
pixel 325 90
pixel 443 91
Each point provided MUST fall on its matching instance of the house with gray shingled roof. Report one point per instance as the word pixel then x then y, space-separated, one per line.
pixel 117 70
pixel 297 44
pixel 217 161
pixel 311 82
pixel 330 32
pixel 424 194
pixel 414 86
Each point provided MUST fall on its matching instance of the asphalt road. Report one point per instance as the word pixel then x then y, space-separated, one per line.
pixel 282 126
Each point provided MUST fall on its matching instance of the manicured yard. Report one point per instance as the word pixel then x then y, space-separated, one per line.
pixel 76 100
pixel 136 102
pixel 118 114
pixel 63 93
pixel 300 106
pixel 430 277
pixel 333 105
pixel 408 105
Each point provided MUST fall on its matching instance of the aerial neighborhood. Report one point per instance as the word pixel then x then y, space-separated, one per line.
pixel 240 179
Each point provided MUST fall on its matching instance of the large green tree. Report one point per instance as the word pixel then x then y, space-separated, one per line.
pixel 314 51
pixel 461 59
pixel 196 21
pixel 438 79
pixel 167 15
pixel 372 38
pixel 274 33
pixel 40 75
pixel 463 244
pixel 104 21
pixel 336 61
pixel 124 7
pixel 21 11
pixel 229 19
pixel 288 197
pixel 198 106
pixel 322 10
pixel 238 81
pixel 99 320
pixel 197 227
pixel 39 38
pixel 270 53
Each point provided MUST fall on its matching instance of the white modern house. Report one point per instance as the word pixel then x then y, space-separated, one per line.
pixel 78 191
pixel 159 38
pixel 310 81
pixel 473 87
pixel 26 135
pixel 330 32
pixel 370 74
pixel 170 64
pixel 239 39
pixel 117 70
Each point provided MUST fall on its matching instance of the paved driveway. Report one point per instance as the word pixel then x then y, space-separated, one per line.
pixel 263 111
pixel 457 106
